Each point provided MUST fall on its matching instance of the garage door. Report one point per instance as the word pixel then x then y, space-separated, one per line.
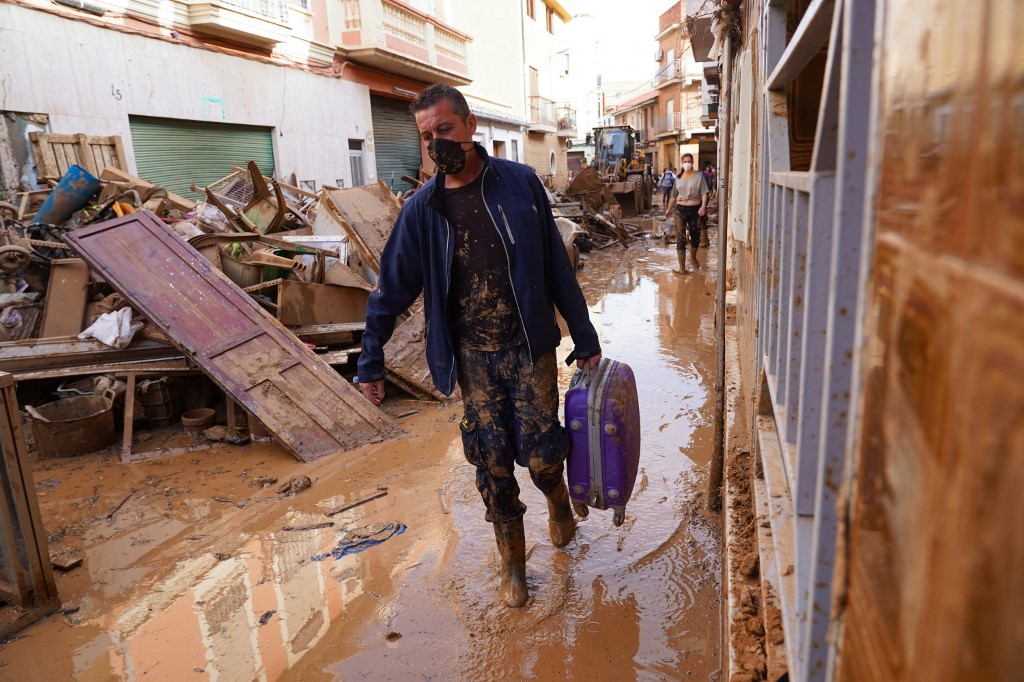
pixel 175 153
pixel 396 141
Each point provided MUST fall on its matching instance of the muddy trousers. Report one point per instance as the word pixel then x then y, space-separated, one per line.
pixel 511 416
pixel 687 227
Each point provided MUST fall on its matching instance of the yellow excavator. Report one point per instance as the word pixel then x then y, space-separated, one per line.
pixel 621 165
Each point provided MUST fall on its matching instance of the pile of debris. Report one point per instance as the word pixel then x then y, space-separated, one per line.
pixel 597 216
pixel 261 287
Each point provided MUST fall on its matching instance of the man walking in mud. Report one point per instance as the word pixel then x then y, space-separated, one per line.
pixel 480 242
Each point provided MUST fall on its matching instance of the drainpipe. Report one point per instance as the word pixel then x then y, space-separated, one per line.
pixel 724 154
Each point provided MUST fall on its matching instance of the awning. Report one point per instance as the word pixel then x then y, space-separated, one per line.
pixel 702 38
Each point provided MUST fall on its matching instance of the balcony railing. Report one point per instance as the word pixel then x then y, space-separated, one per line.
pixel 669 123
pixel 542 111
pixel 275 10
pixel 566 119
pixel 255 22
pixel 670 72
pixel 387 34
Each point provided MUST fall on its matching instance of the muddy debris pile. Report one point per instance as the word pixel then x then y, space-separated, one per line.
pixel 145 304
pixel 590 217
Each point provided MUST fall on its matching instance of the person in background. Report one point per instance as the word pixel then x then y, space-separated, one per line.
pixel 690 201
pixel 668 180
pixel 479 241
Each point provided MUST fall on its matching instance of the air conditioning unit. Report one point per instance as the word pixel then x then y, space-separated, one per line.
pixel 659 55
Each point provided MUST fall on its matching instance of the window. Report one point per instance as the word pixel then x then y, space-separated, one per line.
pixel 515 149
pixel 551 20
pixel 531 11
pixel 355 161
pixel 553 163
pixel 498 147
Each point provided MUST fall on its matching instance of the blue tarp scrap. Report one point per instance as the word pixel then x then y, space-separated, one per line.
pixel 356 541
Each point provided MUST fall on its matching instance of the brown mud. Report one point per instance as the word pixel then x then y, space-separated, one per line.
pixel 194 578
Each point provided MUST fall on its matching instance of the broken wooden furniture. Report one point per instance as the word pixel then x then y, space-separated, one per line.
pixel 26 577
pixel 54 154
pixel 311 410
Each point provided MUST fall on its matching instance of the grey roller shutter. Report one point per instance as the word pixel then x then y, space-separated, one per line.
pixel 175 153
pixel 396 141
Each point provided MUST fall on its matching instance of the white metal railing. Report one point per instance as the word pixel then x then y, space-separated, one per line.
pixel 669 123
pixel 671 71
pixel 542 111
pixel 811 264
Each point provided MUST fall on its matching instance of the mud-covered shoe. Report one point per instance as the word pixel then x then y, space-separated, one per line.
pixel 511 539
pixel 704 238
pixel 561 522
pixel 682 262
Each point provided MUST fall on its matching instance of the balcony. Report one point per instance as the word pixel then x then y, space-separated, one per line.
pixel 543 117
pixel 262 23
pixel 670 73
pixel 670 124
pixel 393 37
pixel 566 121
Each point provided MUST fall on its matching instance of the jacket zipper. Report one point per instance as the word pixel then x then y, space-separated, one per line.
pixel 508 259
pixel 507 228
pixel 447 294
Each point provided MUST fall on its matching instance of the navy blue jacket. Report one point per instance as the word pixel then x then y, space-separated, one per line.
pixel 418 257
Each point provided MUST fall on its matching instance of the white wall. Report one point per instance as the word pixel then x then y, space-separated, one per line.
pixel 89 80
pixel 739 190
pixel 494 54
pixel 487 132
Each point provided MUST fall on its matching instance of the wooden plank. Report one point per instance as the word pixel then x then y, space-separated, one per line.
pixel 181 293
pixel 406 361
pixel 66 294
pixel 129 419
pixel 55 153
pixel 47 354
pixel 31 559
pixel 329 334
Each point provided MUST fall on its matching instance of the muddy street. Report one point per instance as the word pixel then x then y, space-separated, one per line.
pixel 206 571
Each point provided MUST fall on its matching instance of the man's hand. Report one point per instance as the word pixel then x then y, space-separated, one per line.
pixel 373 391
pixel 593 361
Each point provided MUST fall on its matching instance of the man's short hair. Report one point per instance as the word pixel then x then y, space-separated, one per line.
pixel 437 92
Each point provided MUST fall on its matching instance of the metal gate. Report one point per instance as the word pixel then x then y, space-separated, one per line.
pixel 175 153
pixel 396 142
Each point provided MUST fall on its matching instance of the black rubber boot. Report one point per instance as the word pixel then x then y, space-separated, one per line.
pixel 511 539
pixel 561 522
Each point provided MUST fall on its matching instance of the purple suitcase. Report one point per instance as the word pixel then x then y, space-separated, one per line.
pixel 602 415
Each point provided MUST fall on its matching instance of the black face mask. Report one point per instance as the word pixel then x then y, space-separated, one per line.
pixel 449 155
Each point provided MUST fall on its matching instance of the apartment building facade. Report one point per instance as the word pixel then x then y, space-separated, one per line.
pixel 312 88
pixel 684 124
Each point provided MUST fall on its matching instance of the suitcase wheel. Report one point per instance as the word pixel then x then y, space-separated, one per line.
pixel 619 517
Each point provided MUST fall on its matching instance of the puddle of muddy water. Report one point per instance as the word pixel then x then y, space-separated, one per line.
pixel 194 577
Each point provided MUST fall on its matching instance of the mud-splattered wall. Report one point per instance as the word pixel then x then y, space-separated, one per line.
pixel 936 549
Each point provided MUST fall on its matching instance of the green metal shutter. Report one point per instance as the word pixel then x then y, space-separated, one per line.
pixel 175 153
pixel 396 141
